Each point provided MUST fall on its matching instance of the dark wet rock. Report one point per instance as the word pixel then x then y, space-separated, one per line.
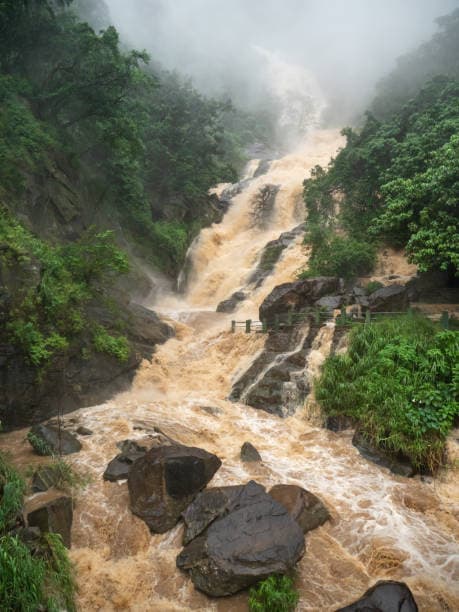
pixel 307 509
pixel 232 191
pixel 271 254
pixel 249 453
pixel 49 440
pixel 339 423
pixel 81 376
pixel 263 168
pixel 230 304
pixel 54 516
pixel 256 538
pixel 297 296
pixel 212 504
pixel 165 481
pixel 84 431
pixel 275 381
pixel 119 466
pixel 330 302
pixel 385 596
pixel 397 465
pixel 392 298
pixel 131 446
pixel 44 478
pixel 31 537
pixel 263 204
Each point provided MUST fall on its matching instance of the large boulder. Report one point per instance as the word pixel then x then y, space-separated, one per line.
pixel 392 298
pixel 256 538
pixel 50 440
pixel 297 295
pixel 165 481
pixel 307 509
pixel 54 516
pixel 384 596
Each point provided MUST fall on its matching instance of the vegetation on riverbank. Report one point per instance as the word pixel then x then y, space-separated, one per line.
pixel 396 180
pixel 399 382
pixel 30 580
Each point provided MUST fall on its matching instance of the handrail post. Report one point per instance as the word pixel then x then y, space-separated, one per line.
pixel 233 326
pixel 248 324
pixel 368 317
pixel 445 319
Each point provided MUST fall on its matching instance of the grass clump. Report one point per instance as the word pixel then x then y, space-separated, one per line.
pixel 274 594
pixel 29 581
pixel 399 380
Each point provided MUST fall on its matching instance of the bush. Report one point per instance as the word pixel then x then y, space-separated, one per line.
pixel 275 594
pixel 399 380
pixel 116 346
pixel 341 256
pixel 12 488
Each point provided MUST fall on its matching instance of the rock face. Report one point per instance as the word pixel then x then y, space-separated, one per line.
pixel 73 381
pixel 307 509
pixel 230 304
pixel 392 298
pixel 275 381
pixel 54 516
pixel 271 254
pixel 51 441
pixel 385 596
pixel 297 295
pixel 249 453
pixel 254 539
pixel 165 481
pixel 397 465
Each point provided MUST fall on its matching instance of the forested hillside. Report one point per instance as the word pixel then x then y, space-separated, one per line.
pixel 397 182
pixel 98 152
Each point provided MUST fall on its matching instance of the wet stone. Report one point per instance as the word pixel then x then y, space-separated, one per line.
pixel 385 596
pixel 307 509
pixel 249 453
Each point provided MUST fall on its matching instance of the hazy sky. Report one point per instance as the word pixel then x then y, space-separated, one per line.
pixel 240 45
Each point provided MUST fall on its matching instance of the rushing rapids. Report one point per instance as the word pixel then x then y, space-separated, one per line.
pixel 383 526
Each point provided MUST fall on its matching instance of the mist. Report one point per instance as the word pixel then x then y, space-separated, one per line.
pixel 311 59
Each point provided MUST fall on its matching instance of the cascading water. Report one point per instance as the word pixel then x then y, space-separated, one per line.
pixel 382 525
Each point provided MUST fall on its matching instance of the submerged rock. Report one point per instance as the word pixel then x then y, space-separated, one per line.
pixel 165 481
pixel 256 538
pixel 49 440
pixel 230 304
pixel 249 453
pixel 396 465
pixel 307 509
pixel 54 516
pixel 384 596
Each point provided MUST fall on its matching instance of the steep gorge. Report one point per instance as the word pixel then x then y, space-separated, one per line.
pixel 382 525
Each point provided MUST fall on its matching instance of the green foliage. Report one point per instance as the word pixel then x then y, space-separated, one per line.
pixel 274 594
pixel 12 487
pixel 398 179
pixel 399 380
pixel 48 315
pixel 39 445
pixel 43 580
pixel 334 255
pixel 21 576
pixel 116 346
